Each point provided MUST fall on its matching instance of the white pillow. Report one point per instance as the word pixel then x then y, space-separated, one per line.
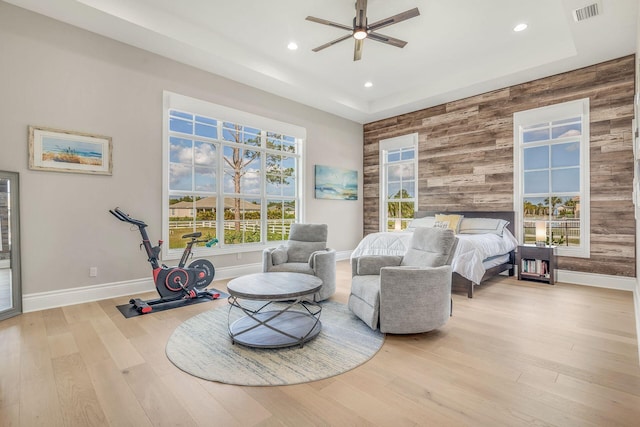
pixel 427 221
pixel 482 226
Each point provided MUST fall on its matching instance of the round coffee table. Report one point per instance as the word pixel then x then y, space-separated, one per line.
pixel 276 314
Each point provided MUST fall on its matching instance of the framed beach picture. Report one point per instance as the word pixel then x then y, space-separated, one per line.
pixel 67 151
pixel 336 183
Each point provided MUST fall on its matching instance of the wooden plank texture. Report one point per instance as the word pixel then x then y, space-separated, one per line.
pixel 465 155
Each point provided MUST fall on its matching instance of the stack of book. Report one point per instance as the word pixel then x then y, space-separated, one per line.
pixel 535 267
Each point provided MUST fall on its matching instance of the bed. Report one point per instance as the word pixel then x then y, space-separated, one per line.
pixel 478 256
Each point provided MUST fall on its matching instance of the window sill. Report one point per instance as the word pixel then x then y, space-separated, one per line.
pixel 202 252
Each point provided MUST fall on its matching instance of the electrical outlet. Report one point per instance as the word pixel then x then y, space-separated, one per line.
pixel 93 271
pixel 239 255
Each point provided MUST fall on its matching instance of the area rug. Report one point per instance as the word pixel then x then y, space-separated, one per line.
pixel 201 347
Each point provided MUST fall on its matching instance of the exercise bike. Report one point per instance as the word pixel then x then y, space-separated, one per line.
pixel 173 283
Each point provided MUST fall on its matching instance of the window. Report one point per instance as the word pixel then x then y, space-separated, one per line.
pixel 231 175
pixel 398 172
pixel 551 175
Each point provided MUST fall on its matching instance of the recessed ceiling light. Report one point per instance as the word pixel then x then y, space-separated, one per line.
pixel 368 84
pixel 292 46
pixel 520 27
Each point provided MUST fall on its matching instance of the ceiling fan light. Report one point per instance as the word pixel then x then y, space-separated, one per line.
pixel 360 34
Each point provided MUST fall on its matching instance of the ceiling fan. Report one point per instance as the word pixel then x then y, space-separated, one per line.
pixel 362 30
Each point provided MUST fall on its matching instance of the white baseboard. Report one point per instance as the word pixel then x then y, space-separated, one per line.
pixel 52 299
pixel 60 298
pixel 636 304
pixel 598 280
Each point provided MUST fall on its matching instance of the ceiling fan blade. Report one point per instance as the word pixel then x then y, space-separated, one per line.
pixel 357 51
pixel 331 43
pixel 361 14
pixel 412 13
pixel 329 23
pixel 386 39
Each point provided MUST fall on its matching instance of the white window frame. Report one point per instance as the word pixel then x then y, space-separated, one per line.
pixel 386 145
pixel 548 114
pixel 225 114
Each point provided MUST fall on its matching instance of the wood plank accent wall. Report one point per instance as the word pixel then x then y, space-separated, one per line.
pixel 465 159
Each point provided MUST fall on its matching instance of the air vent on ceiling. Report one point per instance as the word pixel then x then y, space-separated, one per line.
pixel 586 12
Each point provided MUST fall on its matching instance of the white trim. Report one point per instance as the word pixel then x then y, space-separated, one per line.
pixel 395 143
pixel 636 305
pixel 5 263
pixel 60 298
pixel 207 108
pixel 597 280
pixel 550 113
pixel 221 113
pixel 403 141
pixel 63 297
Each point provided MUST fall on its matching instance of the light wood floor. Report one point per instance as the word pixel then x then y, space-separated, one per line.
pixel 519 353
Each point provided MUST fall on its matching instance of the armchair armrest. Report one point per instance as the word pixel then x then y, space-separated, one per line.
pixel 324 266
pixel 273 256
pixel 321 256
pixel 267 261
pixel 371 264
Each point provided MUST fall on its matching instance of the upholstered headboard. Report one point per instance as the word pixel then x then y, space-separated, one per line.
pixel 506 215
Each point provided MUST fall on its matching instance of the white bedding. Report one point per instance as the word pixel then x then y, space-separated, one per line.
pixel 471 252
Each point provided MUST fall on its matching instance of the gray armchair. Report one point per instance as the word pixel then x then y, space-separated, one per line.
pixel 305 252
pixel 410 294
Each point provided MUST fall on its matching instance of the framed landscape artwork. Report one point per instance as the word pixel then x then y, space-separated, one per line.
pixel 336 183
pixel 67 151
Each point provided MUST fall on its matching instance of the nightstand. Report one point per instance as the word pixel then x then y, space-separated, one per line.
pixel 536 263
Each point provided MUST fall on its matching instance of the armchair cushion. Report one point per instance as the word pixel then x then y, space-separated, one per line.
pixel 309 232
pixel 293 267
pixel 298 251
pixel 430 247
pixel 279 255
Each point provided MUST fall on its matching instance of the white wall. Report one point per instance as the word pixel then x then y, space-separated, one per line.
pixel 59 76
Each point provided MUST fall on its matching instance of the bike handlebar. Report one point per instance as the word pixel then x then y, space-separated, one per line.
pixel 126 218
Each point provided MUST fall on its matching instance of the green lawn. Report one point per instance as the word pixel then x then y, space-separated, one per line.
pixel 177 242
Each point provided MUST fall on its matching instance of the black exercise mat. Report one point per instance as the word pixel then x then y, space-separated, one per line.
pixel 128 310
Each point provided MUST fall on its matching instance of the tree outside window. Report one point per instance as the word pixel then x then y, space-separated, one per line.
pixel 552 145
pixel 258 189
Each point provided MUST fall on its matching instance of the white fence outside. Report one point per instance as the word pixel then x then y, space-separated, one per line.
pixel 567 229
pixel 253 225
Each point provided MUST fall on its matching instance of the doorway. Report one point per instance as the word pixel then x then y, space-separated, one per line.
pixel 10 285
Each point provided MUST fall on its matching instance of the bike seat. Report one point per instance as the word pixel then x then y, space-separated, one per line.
pixel 195 235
